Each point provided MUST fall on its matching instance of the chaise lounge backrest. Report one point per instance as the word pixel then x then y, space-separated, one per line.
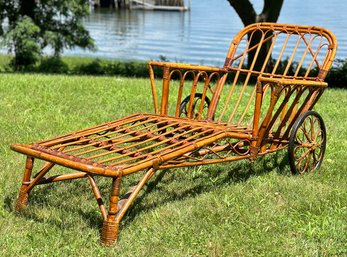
pixel 261 57
pixel 273 51
pixel 291 51
pixel 265 53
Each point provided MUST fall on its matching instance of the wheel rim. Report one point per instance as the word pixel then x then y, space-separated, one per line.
pixel 195 107
pixel 307 144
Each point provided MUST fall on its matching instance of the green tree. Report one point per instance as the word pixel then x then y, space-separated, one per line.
pixel 28 26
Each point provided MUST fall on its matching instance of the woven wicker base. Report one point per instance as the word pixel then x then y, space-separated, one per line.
pixel 109 233
pixel 22 201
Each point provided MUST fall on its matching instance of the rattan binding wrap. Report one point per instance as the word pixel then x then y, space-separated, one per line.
pixel 22 201
pixel 109 233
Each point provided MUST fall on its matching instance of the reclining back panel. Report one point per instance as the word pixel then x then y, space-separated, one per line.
pixel 274 51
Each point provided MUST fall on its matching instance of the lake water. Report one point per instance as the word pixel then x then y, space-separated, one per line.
pixel 200 36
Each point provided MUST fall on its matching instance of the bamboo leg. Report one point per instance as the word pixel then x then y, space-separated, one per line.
pixel 134 193
pixel 22 200
pixel 98 197
pixel 109 231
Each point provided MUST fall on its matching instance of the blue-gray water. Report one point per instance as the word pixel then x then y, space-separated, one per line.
pixel 200 36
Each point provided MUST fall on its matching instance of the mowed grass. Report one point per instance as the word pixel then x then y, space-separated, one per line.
pixel 231 209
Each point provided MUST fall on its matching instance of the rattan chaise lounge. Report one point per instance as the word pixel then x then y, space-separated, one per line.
pixel 260 102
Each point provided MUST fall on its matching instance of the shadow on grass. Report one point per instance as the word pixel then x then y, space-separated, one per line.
pixel 9 201
pixel 60 203
pixel 195 181
pixel 212 180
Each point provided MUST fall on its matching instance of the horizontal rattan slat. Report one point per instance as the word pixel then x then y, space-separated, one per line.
pixel 128 145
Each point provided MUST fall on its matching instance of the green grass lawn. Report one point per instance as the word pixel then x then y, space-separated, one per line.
pixel 232 209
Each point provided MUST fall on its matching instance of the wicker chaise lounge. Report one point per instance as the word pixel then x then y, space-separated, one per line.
pixel 259 102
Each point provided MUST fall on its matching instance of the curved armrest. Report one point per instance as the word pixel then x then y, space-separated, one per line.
pixel 282 114
pixel 284 82
pixel 187 66
pixel 188 79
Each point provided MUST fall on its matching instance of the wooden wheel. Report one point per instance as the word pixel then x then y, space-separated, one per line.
pixel 307 143
pixel 196 105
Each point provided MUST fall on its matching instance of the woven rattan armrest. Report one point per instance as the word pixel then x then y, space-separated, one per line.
pixel 298 81
pixel 187 66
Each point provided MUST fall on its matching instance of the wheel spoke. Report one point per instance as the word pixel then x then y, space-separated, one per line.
pixel 306 131
pixel 307 162
pixel 299 166
pixel 317 154
pixel 303 152
pixel 314 157
pixel 319 138
pixel 312 122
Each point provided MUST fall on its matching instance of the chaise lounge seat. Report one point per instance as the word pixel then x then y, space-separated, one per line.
pixel 136 142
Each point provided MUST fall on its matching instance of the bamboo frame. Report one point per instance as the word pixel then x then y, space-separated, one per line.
pixel 259 122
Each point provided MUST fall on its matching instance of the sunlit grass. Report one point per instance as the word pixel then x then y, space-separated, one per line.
pixel 232 209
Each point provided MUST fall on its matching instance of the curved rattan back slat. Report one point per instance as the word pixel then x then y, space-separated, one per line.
pixel 285 42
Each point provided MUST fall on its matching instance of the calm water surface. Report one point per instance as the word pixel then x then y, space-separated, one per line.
pixel 200 36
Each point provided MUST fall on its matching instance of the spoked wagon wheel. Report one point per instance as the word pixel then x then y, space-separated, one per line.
pixel 196 105
pixel 307 143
